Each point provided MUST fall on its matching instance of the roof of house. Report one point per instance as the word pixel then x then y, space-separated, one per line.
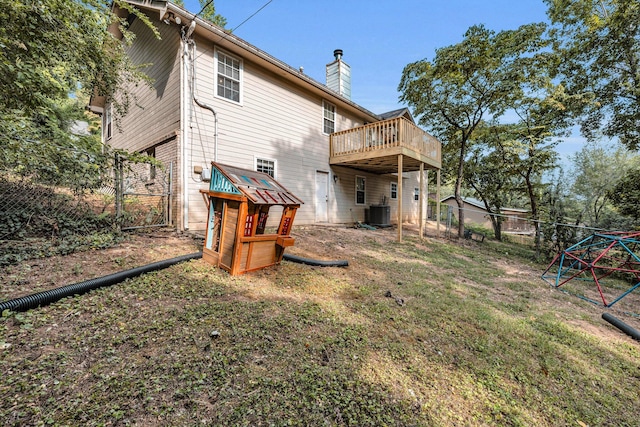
pixel 401 112
pixel 235 44
pixel 479 204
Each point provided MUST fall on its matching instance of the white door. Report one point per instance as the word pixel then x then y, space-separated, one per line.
pixel 322 196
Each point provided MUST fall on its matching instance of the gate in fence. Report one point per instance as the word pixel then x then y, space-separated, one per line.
pixel 143 194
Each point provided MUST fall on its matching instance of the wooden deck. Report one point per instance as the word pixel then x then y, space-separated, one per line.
pixel 375 147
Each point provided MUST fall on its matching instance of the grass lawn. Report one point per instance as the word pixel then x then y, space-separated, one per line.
pixel 421 333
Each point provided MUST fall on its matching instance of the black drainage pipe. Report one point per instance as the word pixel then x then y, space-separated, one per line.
pixel 316 262
pixel 47 297
pixel 633 333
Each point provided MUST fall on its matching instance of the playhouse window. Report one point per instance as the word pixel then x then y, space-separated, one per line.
pixel 360 190
pixel 329 115
pixel 228 76
pixel 267 166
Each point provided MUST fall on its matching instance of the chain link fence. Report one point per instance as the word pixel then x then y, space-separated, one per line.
pixel 39 219
pixel 142 194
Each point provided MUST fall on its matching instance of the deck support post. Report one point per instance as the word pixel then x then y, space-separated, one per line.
pixel 421 198
pixel 400 198
pixel 438 203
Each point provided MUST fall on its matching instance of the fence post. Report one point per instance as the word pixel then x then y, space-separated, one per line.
pixel 119 189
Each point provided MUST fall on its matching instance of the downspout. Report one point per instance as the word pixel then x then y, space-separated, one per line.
pixel 192 45
pixel 184 130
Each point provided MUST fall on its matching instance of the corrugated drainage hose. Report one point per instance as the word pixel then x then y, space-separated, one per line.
pixel 315 262
pixel 47 297
pixel 633 333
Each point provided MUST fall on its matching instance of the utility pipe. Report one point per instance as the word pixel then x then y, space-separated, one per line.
pixel 315 262
pixel 633 333
pixel 47 297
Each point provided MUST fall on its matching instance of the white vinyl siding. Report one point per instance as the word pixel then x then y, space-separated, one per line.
pixel 156 110
pixel 228 72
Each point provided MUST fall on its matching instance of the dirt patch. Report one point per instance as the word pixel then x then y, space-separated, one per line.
pixel 137 249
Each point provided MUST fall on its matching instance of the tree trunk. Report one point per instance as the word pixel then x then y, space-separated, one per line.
pixel 534 210
pixel 496 223
pixel 458 189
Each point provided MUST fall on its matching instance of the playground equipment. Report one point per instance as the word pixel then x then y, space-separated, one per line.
pixel 239 202
pixel 610 260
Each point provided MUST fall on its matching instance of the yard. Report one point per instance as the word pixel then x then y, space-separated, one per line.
pixel 427 333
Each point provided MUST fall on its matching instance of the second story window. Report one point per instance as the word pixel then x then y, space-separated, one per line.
pixel 228 77
pixel 329 122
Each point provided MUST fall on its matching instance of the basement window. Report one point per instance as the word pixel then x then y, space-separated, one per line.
pixel 107 122
pixel 416 194
pixel 394 191
pixel 151 152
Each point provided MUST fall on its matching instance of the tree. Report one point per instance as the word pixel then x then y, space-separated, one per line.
pixel 464 84
pixel 598 46
pixel 49 51
pixel 625 195
pixel 491 181
pixel 597 170
pixel 208 12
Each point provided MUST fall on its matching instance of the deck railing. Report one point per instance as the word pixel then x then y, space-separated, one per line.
pixel 383 135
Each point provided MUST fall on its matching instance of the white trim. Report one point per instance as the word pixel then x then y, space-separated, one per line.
pixel 216 53
pixel 266 159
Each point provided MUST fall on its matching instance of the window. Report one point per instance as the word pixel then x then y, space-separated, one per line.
pixel 107 121
pixel 394 190
pixel 329 123
pixel 151 152
pixel 360 190
pixel 267 166
pixel 228 76
pixel 416 194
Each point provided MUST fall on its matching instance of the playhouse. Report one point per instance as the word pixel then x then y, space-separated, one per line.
pixel 240 201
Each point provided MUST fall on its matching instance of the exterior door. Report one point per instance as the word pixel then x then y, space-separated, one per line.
pixel 322 196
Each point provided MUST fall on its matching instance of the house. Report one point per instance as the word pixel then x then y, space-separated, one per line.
pixel 515 221
pixel 217 98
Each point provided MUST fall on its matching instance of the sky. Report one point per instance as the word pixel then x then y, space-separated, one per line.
pixel 378 38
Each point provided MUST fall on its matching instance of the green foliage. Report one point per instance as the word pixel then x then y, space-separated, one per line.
pixel 465 83
pixel 53 55
pixel 37 221
pixel 208 12
pixel 479 341
pixel 625 195
pixel 597 169
pixel 598 47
